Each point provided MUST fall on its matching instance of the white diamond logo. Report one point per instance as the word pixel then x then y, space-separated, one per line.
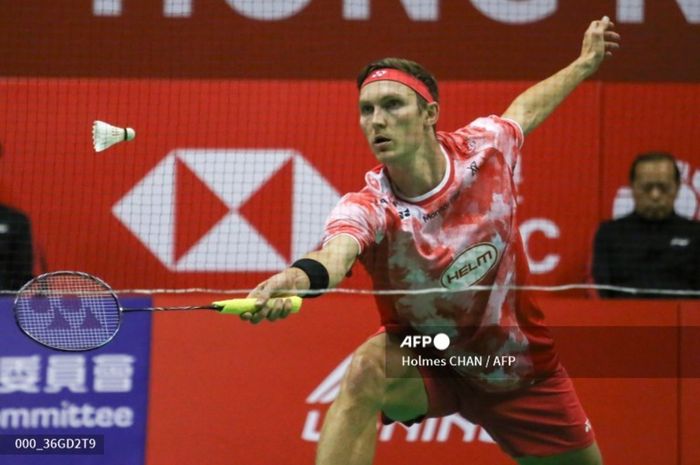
pixel 149 209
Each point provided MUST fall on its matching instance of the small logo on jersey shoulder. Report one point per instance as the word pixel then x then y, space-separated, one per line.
pixel 470 266
pixel 404 213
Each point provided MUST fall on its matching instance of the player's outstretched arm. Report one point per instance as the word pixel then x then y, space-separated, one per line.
pixel 534 105
pixel 337 256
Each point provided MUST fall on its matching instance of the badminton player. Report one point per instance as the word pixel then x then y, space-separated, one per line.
pixel 439 211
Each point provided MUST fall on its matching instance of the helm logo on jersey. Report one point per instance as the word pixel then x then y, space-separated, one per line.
pixel 470 266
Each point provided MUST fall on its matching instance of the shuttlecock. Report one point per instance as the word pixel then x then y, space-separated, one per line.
pixel 105 135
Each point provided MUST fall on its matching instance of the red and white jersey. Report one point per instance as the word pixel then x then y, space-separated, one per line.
pixel 460 234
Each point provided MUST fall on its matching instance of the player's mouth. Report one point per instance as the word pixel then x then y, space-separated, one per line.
pixel 381 143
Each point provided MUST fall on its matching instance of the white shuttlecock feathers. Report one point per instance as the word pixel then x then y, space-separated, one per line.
pixel 105 135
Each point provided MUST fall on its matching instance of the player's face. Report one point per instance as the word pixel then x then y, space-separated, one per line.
pixel 394 125
pixel 654 189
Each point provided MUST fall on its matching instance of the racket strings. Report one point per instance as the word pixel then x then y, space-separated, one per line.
pixel 68 311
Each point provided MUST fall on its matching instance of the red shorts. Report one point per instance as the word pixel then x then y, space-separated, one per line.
pixel 540 420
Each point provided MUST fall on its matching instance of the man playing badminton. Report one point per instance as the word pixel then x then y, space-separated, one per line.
pixel 439 212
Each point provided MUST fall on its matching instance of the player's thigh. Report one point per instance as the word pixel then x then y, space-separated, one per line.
pixel 406 397
pixel 588 456
pixel 377 374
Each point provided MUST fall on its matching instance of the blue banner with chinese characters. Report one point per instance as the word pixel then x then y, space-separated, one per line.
pixel 75 407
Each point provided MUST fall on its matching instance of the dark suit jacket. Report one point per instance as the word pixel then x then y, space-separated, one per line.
pixel 635 252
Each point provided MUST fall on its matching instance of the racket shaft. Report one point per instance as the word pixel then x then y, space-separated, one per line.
pixel 238 306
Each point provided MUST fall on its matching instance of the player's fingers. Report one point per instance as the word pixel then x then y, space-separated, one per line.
pixel 273 313
pixel 594 34
pixel 602 24
pixel 280 306
pixel 612 36
pixel 288 306
pixel 252 317
pixel 285 309
pixel 284 314
pixel 261 294
pixel 257 317
pixel 610 48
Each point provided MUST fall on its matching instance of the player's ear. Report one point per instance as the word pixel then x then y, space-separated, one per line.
pixel 432 111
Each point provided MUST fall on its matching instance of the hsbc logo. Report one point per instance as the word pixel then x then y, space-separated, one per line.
pixel 228 210
pixel 430 430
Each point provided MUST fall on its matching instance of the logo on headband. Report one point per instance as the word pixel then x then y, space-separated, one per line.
pixel 389 74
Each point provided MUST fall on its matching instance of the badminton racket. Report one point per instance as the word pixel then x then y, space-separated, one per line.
pixel 75 311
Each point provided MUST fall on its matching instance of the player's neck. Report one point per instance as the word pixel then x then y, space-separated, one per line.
pixel 420 173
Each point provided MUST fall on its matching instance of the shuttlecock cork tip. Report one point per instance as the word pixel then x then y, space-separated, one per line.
pixel 104 135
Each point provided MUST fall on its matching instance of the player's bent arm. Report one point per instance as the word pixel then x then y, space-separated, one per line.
pixel 337 257
pixel 534 105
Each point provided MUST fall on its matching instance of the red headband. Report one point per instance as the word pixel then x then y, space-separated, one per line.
pixel 390 74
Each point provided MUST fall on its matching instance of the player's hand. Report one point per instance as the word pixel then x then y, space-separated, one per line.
pixel 283 284
pixel 599 43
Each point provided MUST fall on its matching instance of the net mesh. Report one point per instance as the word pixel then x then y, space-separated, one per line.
pixel 68 311
pixel 246 123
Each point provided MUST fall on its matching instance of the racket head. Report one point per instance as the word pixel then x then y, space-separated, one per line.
pixel 68 310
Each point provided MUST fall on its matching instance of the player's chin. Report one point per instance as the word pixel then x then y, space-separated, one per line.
pixel 385 154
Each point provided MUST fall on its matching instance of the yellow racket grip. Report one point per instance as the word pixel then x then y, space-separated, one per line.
pixel 238 306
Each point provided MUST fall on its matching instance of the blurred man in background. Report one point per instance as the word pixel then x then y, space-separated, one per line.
pixel 16 257
pixel 653 247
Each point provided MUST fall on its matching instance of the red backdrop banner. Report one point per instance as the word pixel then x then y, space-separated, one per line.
pixel 228 181
pixel 467 39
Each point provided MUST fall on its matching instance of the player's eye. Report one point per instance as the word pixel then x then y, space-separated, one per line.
pixel 393 104
pixel 366 110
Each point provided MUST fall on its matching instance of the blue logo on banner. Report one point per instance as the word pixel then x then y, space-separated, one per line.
pixel 62 396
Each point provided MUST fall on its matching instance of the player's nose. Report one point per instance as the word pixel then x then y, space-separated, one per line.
pixel 378 118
